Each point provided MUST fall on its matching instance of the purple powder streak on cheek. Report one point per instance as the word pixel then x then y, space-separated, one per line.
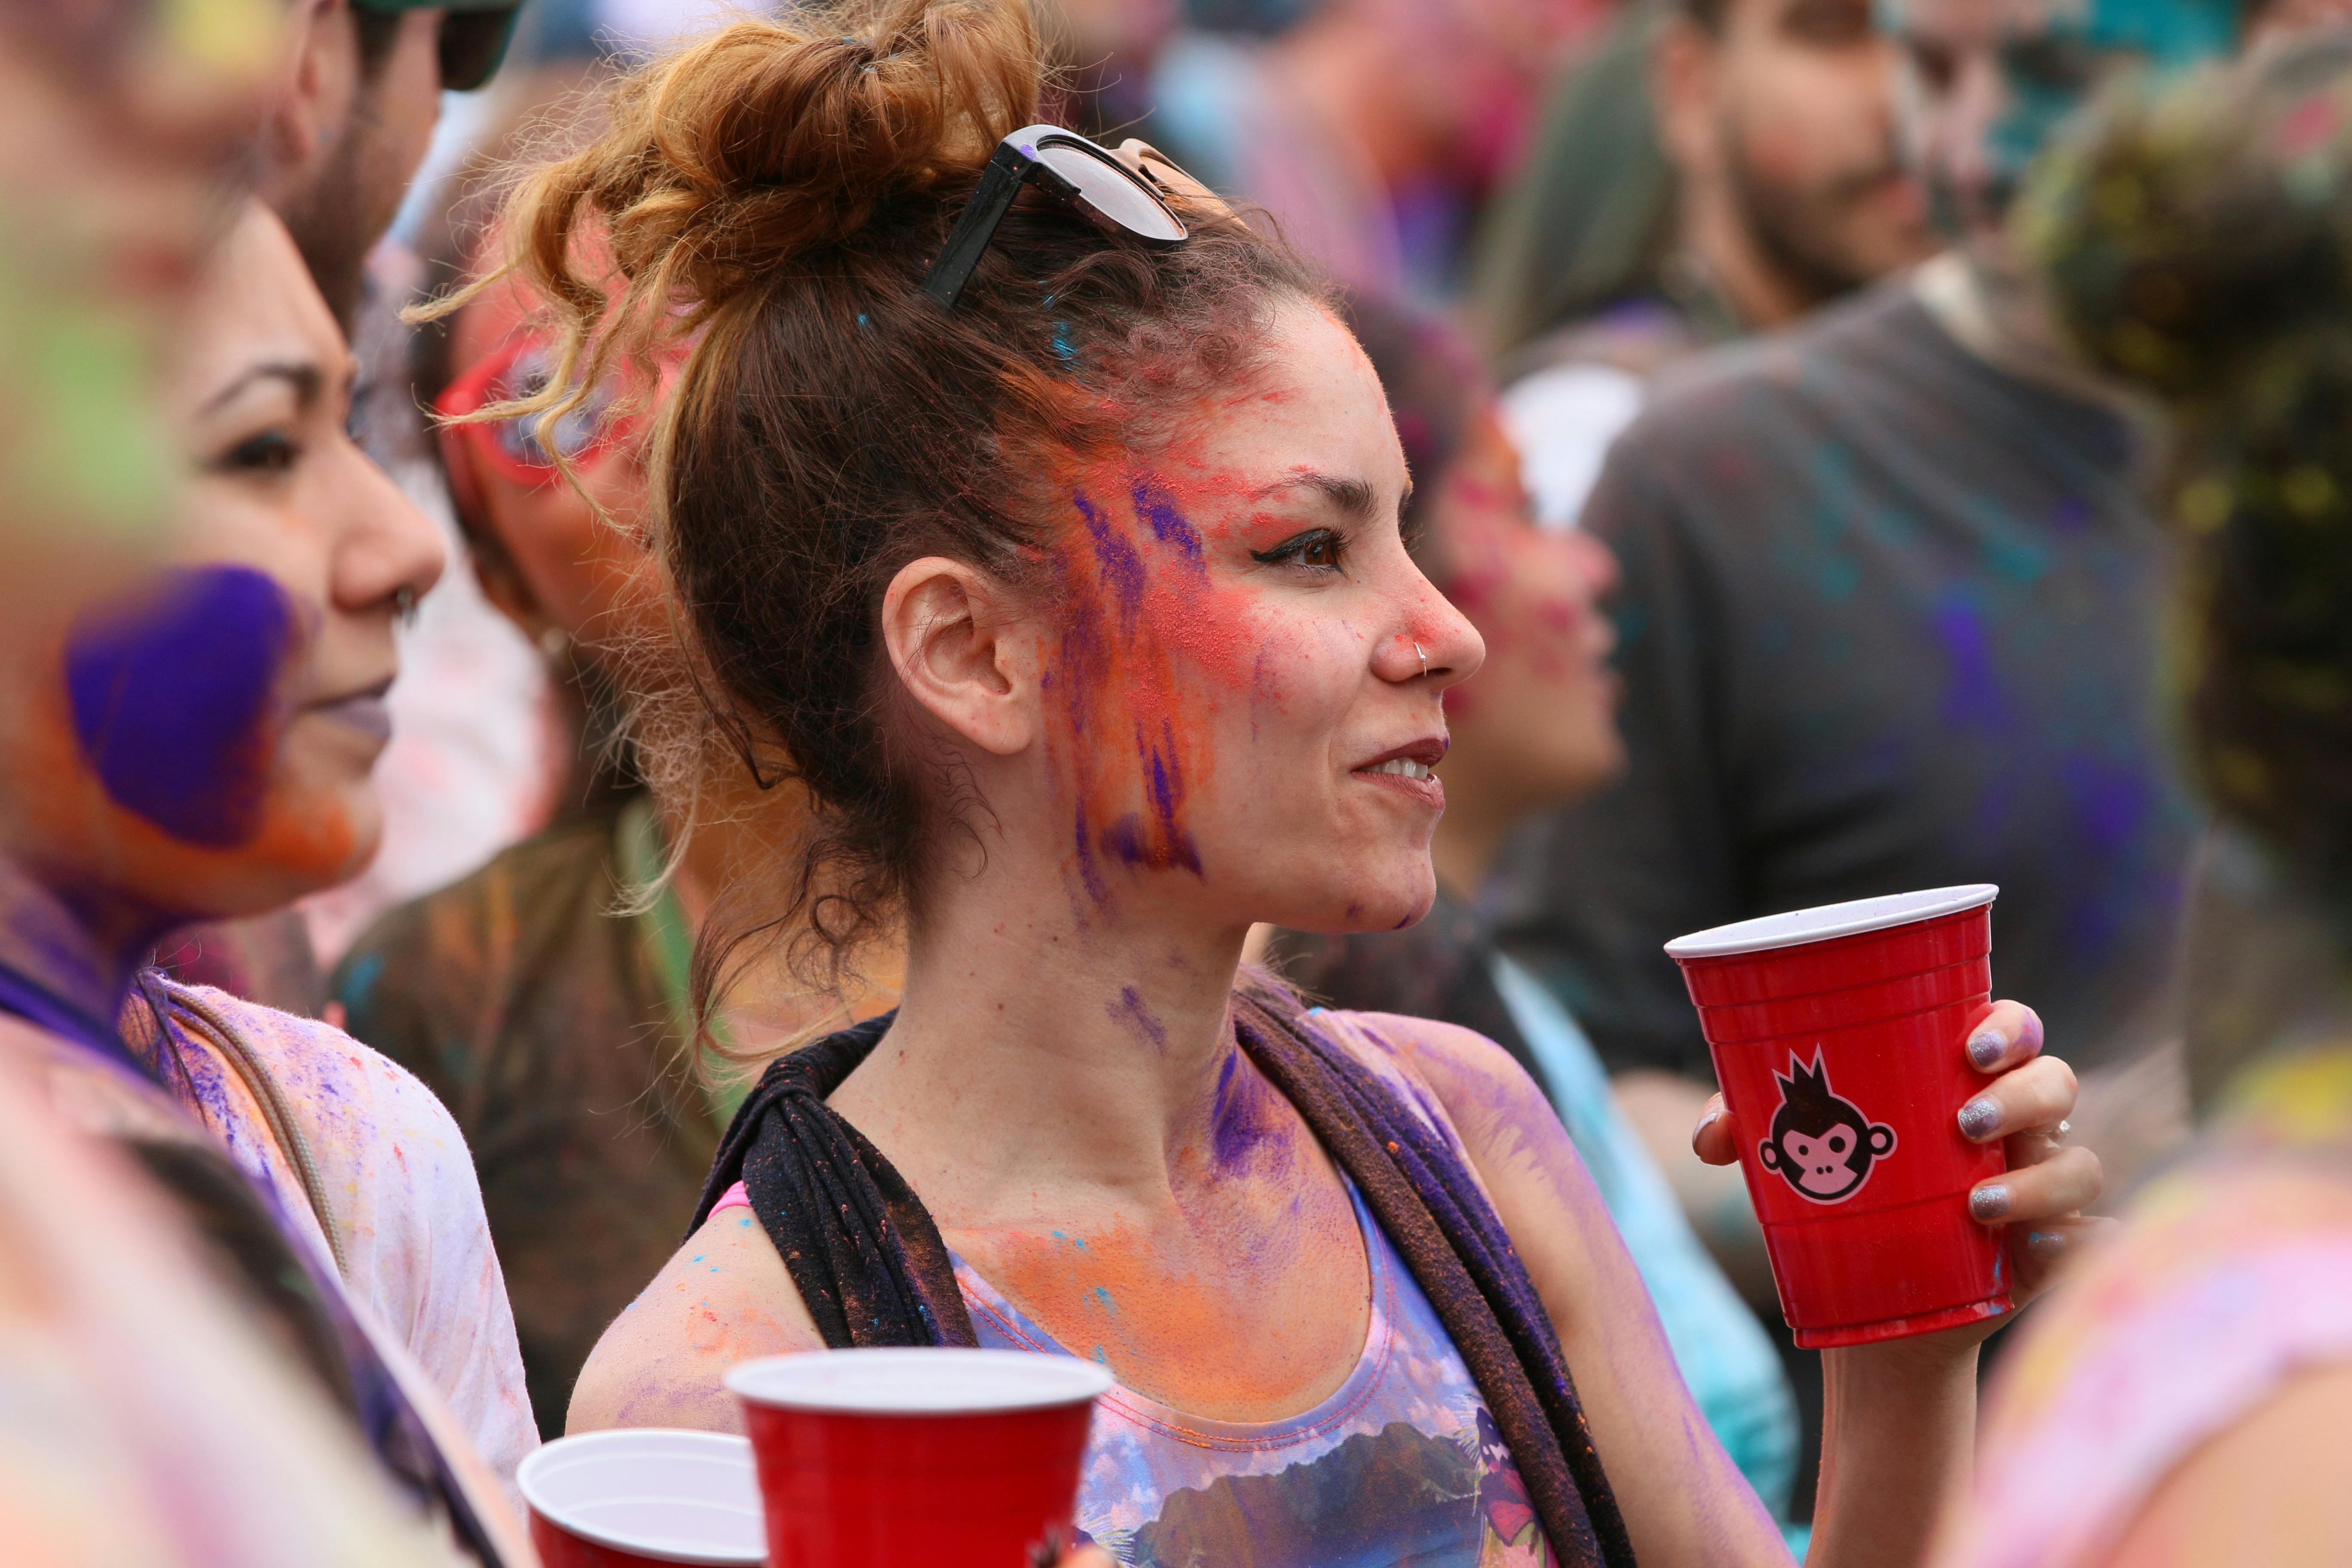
pixel 1122 568
pixel 174 699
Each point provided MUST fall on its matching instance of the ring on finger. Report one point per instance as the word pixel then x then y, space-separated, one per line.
pixel 2058 1133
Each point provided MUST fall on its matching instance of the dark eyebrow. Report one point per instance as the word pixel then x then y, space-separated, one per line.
pixel 1353 497
pixel 307 380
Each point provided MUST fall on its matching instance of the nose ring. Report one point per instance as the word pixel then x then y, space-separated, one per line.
pixel 404 604
pixel 1424 659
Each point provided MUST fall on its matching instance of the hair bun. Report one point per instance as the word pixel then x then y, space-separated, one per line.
pixel 772 137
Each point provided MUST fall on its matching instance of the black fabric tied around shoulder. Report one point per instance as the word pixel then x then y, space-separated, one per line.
pixel 872 1269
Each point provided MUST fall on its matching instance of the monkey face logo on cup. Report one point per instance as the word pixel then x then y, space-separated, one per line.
pixel 1837 1035
pixel 1823 1146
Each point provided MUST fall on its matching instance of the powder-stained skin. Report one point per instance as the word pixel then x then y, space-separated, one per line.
pixel 174 697
pixel 1132 593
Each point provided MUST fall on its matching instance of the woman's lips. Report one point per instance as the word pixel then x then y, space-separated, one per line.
pixel 366 712
pixel 1407 775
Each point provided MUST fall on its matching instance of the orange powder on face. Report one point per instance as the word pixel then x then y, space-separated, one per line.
pixel 1138 624
pixel 303 839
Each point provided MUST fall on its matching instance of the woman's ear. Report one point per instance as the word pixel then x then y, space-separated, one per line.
pixel 960 651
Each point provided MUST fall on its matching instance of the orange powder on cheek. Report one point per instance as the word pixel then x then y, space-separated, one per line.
pixel 313 843
pixel 1132 592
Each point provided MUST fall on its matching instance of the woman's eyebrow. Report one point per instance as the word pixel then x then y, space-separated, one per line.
pixel 305 379
pixel 1353 497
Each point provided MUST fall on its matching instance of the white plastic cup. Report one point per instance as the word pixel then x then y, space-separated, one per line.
pixel 645 1496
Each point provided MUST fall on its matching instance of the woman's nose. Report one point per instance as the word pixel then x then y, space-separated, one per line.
pixel 1437 644
pixel 389 553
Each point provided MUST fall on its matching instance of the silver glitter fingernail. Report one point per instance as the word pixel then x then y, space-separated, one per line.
pixel 1978 1116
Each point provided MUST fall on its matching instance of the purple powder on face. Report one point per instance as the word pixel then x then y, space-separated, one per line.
pixel 1158 508
pixel 1122 568
pixel 173 699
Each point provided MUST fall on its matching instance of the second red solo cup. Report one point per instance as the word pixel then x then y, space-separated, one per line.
pixel 1839 1035
pixel 910 1458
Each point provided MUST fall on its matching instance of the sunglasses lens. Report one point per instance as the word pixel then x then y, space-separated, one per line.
pixel 472 45
pixel 1111 191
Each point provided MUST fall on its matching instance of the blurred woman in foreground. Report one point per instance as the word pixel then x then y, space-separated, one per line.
pixel 2186 1397
pixel 148 1413
pixel 195 744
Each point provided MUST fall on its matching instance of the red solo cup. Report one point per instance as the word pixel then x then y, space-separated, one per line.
pixel 1839 1035
pixel 644 1495
pixel 910 1458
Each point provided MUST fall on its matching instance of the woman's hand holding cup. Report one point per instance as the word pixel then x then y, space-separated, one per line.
pixel 2026 1105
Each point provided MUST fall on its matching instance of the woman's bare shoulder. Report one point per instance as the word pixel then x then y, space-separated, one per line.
pixel 1484 1094
pixel 724 1297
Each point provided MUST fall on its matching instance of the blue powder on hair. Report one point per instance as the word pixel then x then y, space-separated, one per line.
pixel 174 697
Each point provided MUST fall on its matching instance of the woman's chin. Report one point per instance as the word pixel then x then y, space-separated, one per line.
pixel 1390 906
pixel 308 847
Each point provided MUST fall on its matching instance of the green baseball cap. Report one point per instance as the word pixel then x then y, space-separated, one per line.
pixel 473 35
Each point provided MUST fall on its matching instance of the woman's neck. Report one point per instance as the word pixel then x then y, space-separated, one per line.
pixel 1037 1049
pixel 743 831
pixel 82 956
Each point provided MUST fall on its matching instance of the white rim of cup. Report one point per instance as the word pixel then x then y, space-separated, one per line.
pixel 528 1481
pixel 919 1381
pixel 1825 922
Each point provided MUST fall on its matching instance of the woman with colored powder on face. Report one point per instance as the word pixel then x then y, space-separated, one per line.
pixel 1064 562
pixel 1537 726
pixel 197 746
pixel 546 997
pixel 149 1414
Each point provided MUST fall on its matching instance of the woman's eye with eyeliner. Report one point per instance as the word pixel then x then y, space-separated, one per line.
pixel 1317 549
pixel 270 452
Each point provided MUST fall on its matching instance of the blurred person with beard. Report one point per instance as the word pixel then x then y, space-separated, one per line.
pixel 1775 186
pixel 362 94
pixel 1890 610
pixel 1536 726
pixel 1371 130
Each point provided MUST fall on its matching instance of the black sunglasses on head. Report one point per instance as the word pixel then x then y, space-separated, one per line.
pixel 1123 189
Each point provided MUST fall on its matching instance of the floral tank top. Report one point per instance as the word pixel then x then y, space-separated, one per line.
pixel 1401 1466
